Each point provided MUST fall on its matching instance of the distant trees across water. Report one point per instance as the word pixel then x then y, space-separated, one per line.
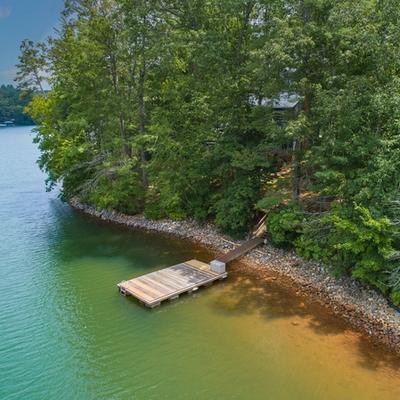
pixel 12 106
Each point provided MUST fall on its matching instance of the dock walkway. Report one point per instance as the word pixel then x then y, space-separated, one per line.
pixel 240 250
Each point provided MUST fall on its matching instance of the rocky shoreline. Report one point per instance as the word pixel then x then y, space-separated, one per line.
pixel 363 308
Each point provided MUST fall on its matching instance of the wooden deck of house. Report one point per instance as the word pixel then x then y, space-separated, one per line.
pixel 168 283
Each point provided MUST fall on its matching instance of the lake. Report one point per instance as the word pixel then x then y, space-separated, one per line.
pixel 66 332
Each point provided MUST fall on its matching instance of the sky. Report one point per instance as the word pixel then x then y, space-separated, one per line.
pixel 23 19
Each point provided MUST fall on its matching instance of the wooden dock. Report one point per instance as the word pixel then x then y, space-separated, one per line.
pixel 168 283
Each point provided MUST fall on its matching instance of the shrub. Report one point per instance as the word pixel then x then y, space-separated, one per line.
pixel 394 281
pixel 395 296
pixel 349 238
pixel 164 204
pixel 117 188
pixel 234 207
pixel 313 243
pixel 284 225
pixel 362 245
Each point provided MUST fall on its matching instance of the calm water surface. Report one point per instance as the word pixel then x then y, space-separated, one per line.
pixel 66 333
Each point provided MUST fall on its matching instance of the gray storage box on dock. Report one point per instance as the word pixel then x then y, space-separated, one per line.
pixel 217 266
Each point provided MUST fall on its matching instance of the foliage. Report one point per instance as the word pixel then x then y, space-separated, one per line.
pixel 361 244
pixel 314 241
pixel 355 242
pixel 271 200
pixel 284 225
pixel 12 106
pixel 233 204
pixel 33 66
pixel 117 187
pixel 166 107
pixel 350 239
pixel 395 296
pixel 164 204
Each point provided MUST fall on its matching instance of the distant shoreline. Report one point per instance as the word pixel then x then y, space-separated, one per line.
pixel 363 308
pixel 16 126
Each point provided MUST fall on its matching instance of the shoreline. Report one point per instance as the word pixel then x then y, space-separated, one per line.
pixel 363 308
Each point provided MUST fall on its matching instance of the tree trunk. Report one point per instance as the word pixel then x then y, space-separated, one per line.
pixel 142 120
pixel 297 151
pixel 301 143
pixel 296 166
pixel 126 150
pixel 39 83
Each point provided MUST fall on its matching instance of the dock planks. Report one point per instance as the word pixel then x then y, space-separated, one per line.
pixel 240 250
pixel 168 283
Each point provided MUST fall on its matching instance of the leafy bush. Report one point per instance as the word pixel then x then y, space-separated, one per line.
pixel 234 207
pixel 361 244
pixel 153 211
pixel 284 225
pixel 313 243
pixel 164 204
pixel 165 208
pixel 117 188
pixel 395 296
pixel 273 199
pixel 350 239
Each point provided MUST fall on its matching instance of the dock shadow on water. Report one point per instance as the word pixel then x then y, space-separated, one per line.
pixel 247 293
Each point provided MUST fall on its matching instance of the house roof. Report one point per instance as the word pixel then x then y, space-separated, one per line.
pixel 284 101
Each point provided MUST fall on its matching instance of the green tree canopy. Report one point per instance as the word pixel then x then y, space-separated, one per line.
pixel 222 110
pixel 12 105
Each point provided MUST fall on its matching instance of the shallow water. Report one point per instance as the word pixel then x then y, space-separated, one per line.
pixel 66 333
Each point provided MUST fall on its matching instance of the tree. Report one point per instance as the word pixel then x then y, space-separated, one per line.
pixel 32 66
pixel 12 105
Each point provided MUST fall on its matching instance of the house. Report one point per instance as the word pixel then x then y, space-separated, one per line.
pixel 9 123
pixel 284 106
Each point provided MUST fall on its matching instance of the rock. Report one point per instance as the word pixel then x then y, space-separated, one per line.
pixel 350 307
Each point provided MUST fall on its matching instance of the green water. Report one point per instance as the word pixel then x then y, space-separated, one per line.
pixel 66 333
